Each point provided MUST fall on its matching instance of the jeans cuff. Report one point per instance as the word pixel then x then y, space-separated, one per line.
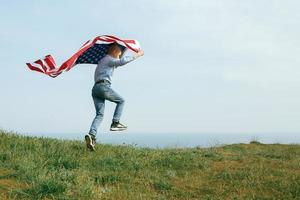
pixel 92 134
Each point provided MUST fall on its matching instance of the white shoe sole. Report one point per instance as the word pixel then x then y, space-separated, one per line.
pixel 89 143
pixel 118 129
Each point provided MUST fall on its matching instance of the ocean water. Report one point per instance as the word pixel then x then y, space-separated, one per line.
pixel 179 140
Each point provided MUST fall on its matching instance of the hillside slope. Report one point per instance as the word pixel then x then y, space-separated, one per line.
pixel 42 168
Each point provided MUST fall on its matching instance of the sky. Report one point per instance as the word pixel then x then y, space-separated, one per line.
pixel 209 66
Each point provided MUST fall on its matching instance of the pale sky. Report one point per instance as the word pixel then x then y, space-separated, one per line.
pixel 209 66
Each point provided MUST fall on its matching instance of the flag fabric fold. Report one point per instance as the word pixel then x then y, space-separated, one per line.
pixel 90 53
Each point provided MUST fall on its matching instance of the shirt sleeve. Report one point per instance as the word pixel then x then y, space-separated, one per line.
pixel 113 62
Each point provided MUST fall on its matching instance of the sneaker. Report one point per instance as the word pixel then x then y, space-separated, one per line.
pixel 117 126
pixel 93 138
pixel 89 142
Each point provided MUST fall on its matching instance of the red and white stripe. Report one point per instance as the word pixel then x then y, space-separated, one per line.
pixel 47 64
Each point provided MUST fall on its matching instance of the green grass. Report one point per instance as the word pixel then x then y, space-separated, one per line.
pixel 43 168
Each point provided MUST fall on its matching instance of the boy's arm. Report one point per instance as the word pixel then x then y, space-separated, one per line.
pixel 124 60
pixel 119 62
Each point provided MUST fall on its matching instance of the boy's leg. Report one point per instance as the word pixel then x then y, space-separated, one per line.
pixel 90 138
pixel 112 96
pixel 99 106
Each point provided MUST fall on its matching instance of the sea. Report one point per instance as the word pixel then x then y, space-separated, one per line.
pixel 179 140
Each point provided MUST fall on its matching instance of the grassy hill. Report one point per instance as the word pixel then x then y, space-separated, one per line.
pixel 42 168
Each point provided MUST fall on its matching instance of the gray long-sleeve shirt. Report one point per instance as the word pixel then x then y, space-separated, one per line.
pixel 106 66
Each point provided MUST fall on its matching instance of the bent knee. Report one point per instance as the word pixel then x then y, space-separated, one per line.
pixel 120 100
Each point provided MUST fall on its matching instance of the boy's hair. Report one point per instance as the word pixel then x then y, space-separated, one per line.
pixel 113 47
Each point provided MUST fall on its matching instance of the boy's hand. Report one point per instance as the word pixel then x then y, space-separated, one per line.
pixel 140 53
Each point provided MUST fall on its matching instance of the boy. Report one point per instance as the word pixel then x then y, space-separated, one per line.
pixel 102 91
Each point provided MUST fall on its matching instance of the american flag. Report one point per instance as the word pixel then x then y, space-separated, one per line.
pixel 90 53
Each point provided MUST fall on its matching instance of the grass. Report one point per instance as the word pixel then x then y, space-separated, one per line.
pixel 42 168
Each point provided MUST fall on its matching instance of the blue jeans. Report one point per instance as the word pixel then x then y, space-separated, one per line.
pixel 100 93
